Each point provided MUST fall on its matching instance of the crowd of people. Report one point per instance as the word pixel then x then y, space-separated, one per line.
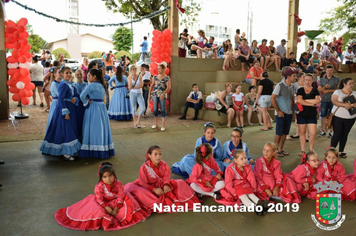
pixel 314 59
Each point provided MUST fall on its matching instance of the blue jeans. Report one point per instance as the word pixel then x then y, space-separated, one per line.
pixel 145 98
pixel 341 56
pixel 155 106
pixel 134 99
pixel 326 108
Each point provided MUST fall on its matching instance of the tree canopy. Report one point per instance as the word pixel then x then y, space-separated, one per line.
pixel 122 39
pixel 140 8
pixel 340 19
pixel 35 40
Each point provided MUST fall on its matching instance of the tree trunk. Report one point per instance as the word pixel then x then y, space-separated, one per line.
pixel 157 24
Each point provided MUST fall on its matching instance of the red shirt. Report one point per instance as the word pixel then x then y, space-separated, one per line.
pixel 264 50
pixel 257 73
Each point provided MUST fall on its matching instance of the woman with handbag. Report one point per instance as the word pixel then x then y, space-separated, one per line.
pixel 307 100
pixel 135 95
pixel 343 113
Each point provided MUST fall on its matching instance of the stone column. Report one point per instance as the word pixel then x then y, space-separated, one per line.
pixel 292 27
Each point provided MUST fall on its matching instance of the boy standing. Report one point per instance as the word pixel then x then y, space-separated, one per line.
pixel 194 100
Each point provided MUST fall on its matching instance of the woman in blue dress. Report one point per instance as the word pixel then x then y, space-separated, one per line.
pixel 97 140
pixel 79 110
pixel 62 135
pixel 55 81
pixel 120 107
pixel 235 143
pixel 184 167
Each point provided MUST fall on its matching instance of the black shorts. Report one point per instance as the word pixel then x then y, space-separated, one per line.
pixel 38 83
pixel 349 62
pixel 223 109
pixel 243 59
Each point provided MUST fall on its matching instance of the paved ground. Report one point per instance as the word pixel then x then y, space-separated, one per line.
pixel 35 185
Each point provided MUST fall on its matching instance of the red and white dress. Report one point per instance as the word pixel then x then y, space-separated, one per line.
pixel 237 183
pixel 90 214
pixel 269 175
pixel 303 173
pixel 151 177
pixel 335 173
pixel 202 174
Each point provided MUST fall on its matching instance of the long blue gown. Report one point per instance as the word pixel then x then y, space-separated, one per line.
pixel 79 110
pixel 62 135
pixel 185 166
pixel 97 139
pixel 120 107
pixel 54 94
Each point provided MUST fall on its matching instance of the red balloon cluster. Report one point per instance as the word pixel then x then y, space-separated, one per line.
pixel 301 33
pixel 161 49
pixel 18 63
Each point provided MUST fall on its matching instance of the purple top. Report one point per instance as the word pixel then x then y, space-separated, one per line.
pixel 85 71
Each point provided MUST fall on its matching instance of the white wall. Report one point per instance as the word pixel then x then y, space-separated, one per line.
pixel 91 43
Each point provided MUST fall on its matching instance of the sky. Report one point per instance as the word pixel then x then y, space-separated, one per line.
pixel 270 18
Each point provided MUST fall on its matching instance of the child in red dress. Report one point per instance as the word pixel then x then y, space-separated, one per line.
pixel 155 189
pixel 201 180
pixel 332 170
pixel 240 184
pixel 303 175
pixel 238 103
pixel 109 208
pixel 271 182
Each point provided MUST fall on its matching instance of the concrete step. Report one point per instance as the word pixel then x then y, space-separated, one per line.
pixel 213 116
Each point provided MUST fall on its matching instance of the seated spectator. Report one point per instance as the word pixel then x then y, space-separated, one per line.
pixel 193 47
pixel 333 59
pixel 274 56
pixel 255 74
pixel 194 100
pixel 305 64
pixel 233 55
pixel 315 61
pixel 225 99
pixel 349 59
pixel 237 39
pixel 265 54
pixel 282 52
pixel 226 55
pixel 250 106
pixel 291 61
pixel 183 38
pixel 210 49
pixel 256 53
pixel 245 56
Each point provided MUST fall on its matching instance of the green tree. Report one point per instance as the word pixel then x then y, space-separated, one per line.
pixel 35 41
pixel 341 19
pixel 120 54
pixel 140 8
pixel 94 54
pixel 58 51
pixel 122 39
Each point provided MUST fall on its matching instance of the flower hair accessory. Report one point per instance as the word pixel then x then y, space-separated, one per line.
pixel 304 158
pixel 203 151
pixel 99 170
pixel 147 154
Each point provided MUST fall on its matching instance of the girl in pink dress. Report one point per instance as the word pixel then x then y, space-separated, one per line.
pixel 240 184
pixel 202 40
pixel 271 182
pixel 109 208
pixel 154 188
pixel 238 103
pixel 303 175
pixel 201 180
pixel 332 170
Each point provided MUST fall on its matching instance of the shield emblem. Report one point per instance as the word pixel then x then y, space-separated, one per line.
pixel 328 208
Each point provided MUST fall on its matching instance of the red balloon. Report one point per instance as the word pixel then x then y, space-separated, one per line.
pixel 13 89
pixel 21 28
pixel 10 29
pixel 11 82
pixel 26 79
pixel 22 21
pixel 13 71
pixel 153 59
pixel 24 35
pixel 156 32
pixel 166 32
pixel 23 93
pixel 30 86
pixel 9 45
pixel 159 60
pixel 11 59
pixel 23 41
pixel 16 53
pixel 16 35
pixel 10 40
pixel 168 51
pixel 164 44
pixel 155 44
pixel 160 38
pixel 24 72
pixel 299 39
pixel 16 76
pixel 163 55
pixel 159 49
pixel 167 102
pixel 155 71
pixel 22 59
pixel 153 65
pixel 168 38
pixel 10 23
pixel 25 48
pixel 154 38
pixel 169 59
pixel 16 97
pixel 28 56
pixel 155 54
pixel 17 45
pixel 167 71
pixel 29 93
pixel 25 101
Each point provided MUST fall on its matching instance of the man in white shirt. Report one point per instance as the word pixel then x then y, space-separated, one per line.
pixel 281 51
pixel 194 100
pixel 349 59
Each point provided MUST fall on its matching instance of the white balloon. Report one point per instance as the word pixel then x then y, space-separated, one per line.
pixel 20 85
pixel 164 63
pixel 12 65
pixel 26 65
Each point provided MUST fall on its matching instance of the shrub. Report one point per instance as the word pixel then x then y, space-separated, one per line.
pixel 58 51
pixel 120 54
pixel 94 54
